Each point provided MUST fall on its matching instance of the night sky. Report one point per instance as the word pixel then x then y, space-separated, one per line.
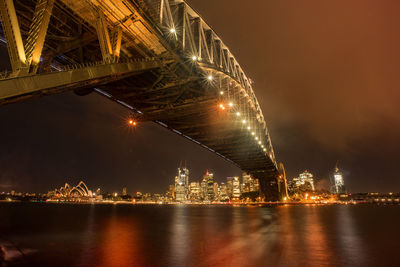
pixel 326 75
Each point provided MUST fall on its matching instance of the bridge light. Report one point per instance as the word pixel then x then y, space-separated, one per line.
pixel 194 58
pixel 210 77
pixel 256 138
pixel 265 149
pixel 248 128
pixel 253 133
pixel 259 142
pixel 172 30
pixel 221 106
pixel 132 122
pixel 243 121
pixel 221 92
pixel 230 104
pixel 238 114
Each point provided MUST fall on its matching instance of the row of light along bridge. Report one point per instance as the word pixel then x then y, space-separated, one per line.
pixel 156 57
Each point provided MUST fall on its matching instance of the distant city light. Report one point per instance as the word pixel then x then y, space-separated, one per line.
pixel 132 122
pixel 221 93
pixel 256 138
pixel 221 106
pixel 248 127
pixel 194 58
pixel 230 104
pixel 259 142
pixel 172 30
pixel 243 121
pixel 210 77
pixel 265 149
pixel 253 133
pixel 238 114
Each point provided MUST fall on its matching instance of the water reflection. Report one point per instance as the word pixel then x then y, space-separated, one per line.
pixel 127 235
pixel 120 244
pixel 350 244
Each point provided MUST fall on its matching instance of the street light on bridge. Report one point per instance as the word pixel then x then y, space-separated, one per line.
pixel 132 122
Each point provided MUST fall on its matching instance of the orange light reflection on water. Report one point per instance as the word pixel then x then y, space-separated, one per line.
pixel 121 245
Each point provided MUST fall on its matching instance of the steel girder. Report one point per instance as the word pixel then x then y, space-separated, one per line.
pixel 72 79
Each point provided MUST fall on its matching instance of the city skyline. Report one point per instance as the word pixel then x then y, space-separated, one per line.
pixel 359 129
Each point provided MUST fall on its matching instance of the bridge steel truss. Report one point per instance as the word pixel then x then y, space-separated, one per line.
pixel 157 57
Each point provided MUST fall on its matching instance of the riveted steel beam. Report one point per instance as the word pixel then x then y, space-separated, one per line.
pixel 72 79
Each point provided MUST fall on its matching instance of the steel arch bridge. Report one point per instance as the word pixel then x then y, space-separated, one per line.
pixel 158 58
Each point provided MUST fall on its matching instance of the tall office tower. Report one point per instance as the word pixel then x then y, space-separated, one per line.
pixel 194 191
pixel 182 185
pixel 305 180
pixel 216 191
pixel 124 191
pixel 236 187
pixel 246 182
pixel 249 183
pixel 338 182
pixel 209 177
pixel 223 195
pixel 229 187
pixel 98 192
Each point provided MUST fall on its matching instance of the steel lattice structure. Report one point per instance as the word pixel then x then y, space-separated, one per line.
pixel 158 58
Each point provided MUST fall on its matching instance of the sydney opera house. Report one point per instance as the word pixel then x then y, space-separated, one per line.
pixel 67 192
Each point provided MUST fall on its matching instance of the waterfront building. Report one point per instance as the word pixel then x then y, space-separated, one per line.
pixel 338 182
pixel 236 187
pixel 249 184
pixel 182 185
pixel 203 189
pixel 246 178
pixel 171 192
pixel 216 191
pixel 305 181
pixel 194 191
pixel 209 178
pixel 229 187
pixel 223 195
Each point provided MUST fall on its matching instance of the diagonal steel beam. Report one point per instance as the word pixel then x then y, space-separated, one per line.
pixel 72 79
pixel 37 33
pixel 13 36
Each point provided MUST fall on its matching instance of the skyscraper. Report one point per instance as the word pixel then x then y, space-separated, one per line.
pixel 194 191
pixel 182 184
pixel 236 187
pixel 223 192
pixel 338 183
pixel 124 191
pixel 229 187
pixel 305 181
pixel 208 183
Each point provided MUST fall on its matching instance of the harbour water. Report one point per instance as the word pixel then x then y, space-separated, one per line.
pixel 40 234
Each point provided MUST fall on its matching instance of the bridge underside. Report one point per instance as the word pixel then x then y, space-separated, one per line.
pixel 191 109
pixel 158 58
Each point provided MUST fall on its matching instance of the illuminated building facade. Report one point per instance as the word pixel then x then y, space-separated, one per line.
pixel 229 187
pixel 182 185
pixel 235 187
pixel 249 184
pixel 305 180
pixel 338 182
pixel 209 181
pixel 194 191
